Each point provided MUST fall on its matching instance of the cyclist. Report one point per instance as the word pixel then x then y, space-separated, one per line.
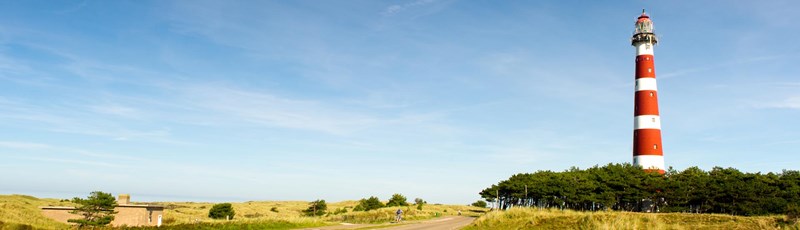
pixel 399 216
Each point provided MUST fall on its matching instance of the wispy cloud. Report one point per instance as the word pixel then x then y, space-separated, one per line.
pixel 12 66
pixel 788 103
pixel 23 150
pixel 74 8
pixel 397 8
pixel 117 110
pixel 41 147
pixel 277 111
pixel 704 68
pixel 73 161
pixel 23 145
pixel 70 119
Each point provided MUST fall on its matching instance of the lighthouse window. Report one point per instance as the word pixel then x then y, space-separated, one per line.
pixel 655 146
pixel 651 94
pixel 647 58
pixel 649 70
pixel 654 119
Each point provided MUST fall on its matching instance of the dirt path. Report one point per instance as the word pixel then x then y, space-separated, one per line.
pixel 448 222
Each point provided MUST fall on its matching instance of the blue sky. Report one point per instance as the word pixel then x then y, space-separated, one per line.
pixel 340 100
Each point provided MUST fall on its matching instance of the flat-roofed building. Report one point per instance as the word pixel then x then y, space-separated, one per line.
pixel 127 214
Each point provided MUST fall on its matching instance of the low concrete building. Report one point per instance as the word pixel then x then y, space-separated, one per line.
pixel 127 214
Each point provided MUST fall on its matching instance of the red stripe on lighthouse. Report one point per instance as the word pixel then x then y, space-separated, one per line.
pixel 645 66
pixel 646 103
pixel 647 142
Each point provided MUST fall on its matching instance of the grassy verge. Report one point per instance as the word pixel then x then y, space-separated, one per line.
pixel 22 212
pixel 410 213
pixel 248 224
pixel 527 218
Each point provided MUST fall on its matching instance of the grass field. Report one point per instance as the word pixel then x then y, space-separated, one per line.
pixel 190 212
pixel 409 213
pixel 20 211
pixel 531 218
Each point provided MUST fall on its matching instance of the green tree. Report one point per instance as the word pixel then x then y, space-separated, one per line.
pixel 397 200
pixel 97 209
pixel 479 204
pixel 419 202
pixel 626 187
pixel 316 208
pixel 368 204
pixel 221 211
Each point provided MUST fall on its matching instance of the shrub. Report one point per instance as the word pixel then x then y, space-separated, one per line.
pixel 274 209
pixel 368 204
pixel 253 215
pixel 479 204
pixel 15 226
pixel 340 211
pixel 793 213
pixel 221 211
pixel 419 202
pixel 316 208
pixel 397 200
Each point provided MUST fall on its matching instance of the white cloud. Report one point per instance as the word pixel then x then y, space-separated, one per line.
pixel 276 111
pixel 788 103
pixel 397 8
pixel 23 145
pixel 117 110
pixel 708 67
pixel 73 161
pixel 47 148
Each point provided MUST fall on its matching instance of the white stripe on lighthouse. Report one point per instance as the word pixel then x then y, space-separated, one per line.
pixel 646 122
pixel 646 83
pixel 649 161
pixel 644 48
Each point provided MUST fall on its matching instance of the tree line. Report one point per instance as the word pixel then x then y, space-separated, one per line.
pixel 319 207
pixel 625 187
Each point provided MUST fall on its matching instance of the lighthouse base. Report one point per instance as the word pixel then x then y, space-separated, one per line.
pixel 650 162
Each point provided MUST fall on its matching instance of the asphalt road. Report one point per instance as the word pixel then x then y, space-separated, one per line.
pixel 448 222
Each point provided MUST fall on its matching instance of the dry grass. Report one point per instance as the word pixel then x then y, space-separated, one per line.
pixel 527 218
pixel 16 211
pixel 19 210
pixel 188 212
pixel 192 212
pixel 409 213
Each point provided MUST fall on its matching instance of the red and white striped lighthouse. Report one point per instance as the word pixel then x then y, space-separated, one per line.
pixel 647 149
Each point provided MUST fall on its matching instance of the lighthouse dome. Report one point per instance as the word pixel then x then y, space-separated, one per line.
pixel 643 24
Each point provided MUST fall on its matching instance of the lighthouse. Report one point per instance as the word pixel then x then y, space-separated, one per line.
pixel 647 149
